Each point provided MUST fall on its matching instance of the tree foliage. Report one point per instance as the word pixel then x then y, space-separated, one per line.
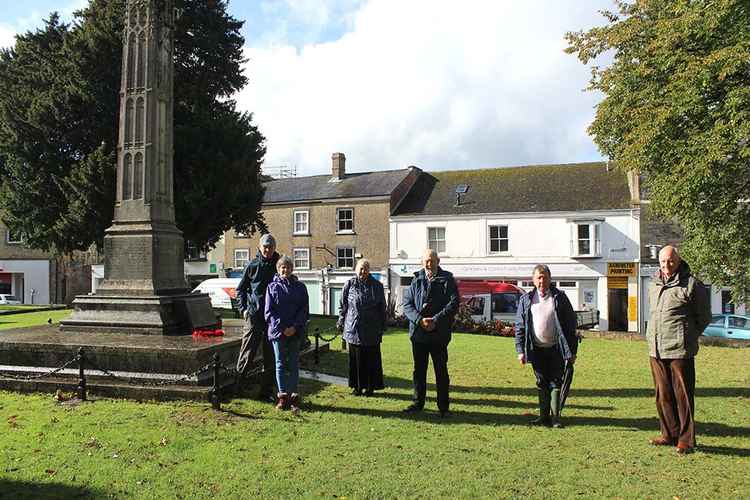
pixel 677 109
pixel 59 111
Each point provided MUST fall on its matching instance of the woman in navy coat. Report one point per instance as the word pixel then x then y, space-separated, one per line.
pixel 362 320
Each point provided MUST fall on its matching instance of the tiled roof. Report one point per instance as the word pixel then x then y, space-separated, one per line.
pixel 321 187
pixel 535 188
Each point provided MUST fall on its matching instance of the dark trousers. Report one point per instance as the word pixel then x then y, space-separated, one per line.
pixel 255 335
pixel 674 381
pixel 548 367
pixel 439 354
pixel 365 368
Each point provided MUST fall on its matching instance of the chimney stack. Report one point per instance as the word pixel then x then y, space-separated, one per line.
pixel 634 185
pixel 339 166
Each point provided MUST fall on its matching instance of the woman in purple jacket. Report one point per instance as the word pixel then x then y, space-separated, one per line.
pixel 286 312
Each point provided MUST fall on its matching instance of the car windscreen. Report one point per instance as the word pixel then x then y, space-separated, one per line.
pixel 717 320
pixel 505 303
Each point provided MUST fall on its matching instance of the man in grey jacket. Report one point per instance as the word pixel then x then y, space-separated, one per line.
pixel 680 311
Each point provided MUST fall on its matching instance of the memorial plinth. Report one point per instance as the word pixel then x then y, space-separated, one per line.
pixel 143 367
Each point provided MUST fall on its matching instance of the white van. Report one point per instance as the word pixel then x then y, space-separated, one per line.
pixel 221 291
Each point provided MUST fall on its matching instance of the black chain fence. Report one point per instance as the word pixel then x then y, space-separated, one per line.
pixel 40 375
pixel 215 366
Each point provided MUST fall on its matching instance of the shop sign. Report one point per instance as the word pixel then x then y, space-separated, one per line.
pixel 617 282
pixel 621 269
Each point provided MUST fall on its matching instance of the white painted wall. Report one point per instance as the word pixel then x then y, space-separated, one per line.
pixel 36 275
pixel 539 235
pixel 532 239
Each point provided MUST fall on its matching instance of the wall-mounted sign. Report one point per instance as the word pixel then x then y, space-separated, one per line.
pixel 621 269
pixel 632 308
pixel 617 282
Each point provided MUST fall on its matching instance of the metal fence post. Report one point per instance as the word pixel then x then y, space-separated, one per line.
pixel 317 346
pixel 215 401
pixel 81 376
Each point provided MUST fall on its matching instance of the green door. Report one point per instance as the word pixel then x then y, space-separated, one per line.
pixel 335 296
pixel 313 293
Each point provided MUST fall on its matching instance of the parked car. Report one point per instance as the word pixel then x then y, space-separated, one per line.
pixel 490 300
pixel 221 291
pixel 730 326
pixel 8 300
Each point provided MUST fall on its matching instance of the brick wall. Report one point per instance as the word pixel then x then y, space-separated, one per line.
pixel 370 237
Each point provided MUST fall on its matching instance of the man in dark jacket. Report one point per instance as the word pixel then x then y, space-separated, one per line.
pixel 251 292
pixel 546 337
pixel 680 311
pixel 430 303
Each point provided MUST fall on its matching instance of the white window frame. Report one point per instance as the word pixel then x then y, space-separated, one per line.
pixel 498 239
pixel 237 252
pixel 338 257
pixel 437 240
pixel 306 230
pixel 594 239
pixel 338 221
pixel 10 241
pixel 300 258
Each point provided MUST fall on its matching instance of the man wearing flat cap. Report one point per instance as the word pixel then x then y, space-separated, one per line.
pixel 251 292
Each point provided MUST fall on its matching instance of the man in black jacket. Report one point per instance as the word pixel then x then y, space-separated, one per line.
pixel 430 303
pixel 251 292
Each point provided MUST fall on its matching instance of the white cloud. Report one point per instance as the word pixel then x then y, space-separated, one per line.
pixel 33 19
pixel 67 11
pixel 7 36
pixel 439 84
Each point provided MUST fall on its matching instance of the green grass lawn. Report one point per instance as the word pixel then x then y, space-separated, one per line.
pixel 32 319
pixel 19 307
pixel 344 446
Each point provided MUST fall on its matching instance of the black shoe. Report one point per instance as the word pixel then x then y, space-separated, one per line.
pixel 265 397
pixel 369 394
pixel 446 414
pixel 356 392
pixel 542 421
pixel 413 408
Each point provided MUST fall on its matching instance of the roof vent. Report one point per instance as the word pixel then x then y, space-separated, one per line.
pixel 461 189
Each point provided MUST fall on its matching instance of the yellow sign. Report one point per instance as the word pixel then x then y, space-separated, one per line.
pixel 632 308
pixel 621 269
pixel 617 282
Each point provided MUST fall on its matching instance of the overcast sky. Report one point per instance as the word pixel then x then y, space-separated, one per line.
pixel 438 84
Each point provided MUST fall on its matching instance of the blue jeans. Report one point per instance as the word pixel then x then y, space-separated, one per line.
pixel 286 351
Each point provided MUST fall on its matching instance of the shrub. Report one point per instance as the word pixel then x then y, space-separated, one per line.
pixel 465 323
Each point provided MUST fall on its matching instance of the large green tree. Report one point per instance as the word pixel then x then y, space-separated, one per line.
pixel 676 107
pixel 59 111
